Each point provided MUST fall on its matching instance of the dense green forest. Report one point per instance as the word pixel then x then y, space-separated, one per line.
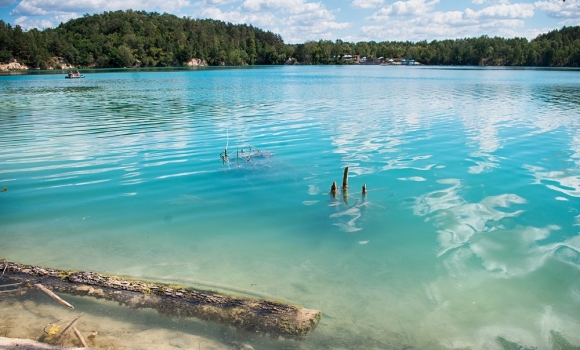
pixel 141 39
pixel 559 48
pixel 135 38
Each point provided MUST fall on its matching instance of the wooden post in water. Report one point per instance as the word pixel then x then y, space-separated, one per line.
pixel 345 179
pixel 345 186
pixel 333 189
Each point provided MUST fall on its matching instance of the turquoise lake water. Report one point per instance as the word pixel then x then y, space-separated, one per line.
pixel 469 236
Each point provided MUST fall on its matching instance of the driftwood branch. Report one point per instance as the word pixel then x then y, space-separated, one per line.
pixel 244 313
pixel 54 296
pixel 80 336
pixel 11 285
pixel 69 325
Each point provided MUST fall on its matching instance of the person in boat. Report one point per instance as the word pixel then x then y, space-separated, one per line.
pixel 78 74
pixel 70 73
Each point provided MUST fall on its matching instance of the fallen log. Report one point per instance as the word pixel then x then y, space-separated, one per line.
pixel 243 313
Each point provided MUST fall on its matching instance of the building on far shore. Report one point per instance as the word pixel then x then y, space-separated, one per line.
pixel 353 58
pixel 400 62
pixel 368 60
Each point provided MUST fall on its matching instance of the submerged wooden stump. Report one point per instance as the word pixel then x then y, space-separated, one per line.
pixel 345 180
pixel 249 314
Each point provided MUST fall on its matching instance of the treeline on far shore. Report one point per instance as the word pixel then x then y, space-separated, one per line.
pixel 141 39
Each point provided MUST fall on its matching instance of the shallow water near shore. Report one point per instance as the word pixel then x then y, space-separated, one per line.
pixel 469 236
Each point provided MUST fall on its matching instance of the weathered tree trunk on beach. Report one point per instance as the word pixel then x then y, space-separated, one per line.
pixel 243 313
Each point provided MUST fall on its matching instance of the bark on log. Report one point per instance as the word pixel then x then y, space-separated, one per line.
pixel 243 313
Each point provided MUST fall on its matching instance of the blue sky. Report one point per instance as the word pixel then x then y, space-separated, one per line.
pixel 350 20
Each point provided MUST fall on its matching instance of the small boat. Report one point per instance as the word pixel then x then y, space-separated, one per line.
pixel 74 76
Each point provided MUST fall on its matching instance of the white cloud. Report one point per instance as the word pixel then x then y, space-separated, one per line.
pixel 480 2
pixel 409 8
pixel 50 13
pixel 446 26
pixel 380 15
pixel 411 21
pixel 26 8
pixel 568 11
pixel 403 8
pixel 215 2
pixel 47 7
pixel 366 4
pixel 511 23
pixel 503 11
pixel 448 18
pixel 309 8
pixel 557 8
pixel 400 30
pixel 301 20
pixel 264 20
pixel 265 5
pixel 41 7
pixel 27 23
pixel 311 22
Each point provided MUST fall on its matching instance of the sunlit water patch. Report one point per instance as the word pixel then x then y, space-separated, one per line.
pixel 468 236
